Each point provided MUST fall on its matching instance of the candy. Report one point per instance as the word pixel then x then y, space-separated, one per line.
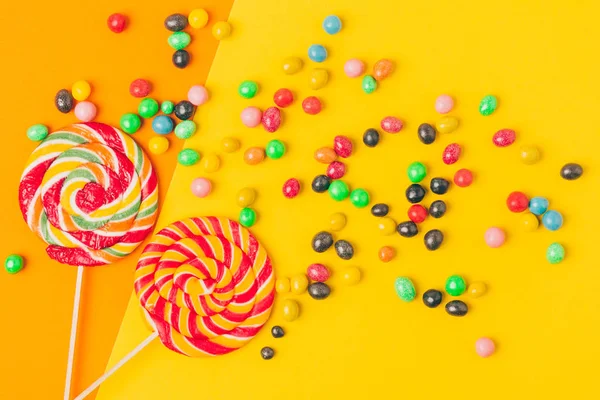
pixel 85 111
pixel 338 190
pixel 371 137
pixel 230 145
pixel 13 263
pixel 386 253
pixel 405 289
pixel 380 210
pixel 291 310
pixel 529 222
pixel 555 253
pixel 37 132
pixel 320 183
pixel 198 18
pixel 337 221
pixel 317 53
pixel 351 275
pixel 318 78
pixel 494 237
pixel 386 225
pixel 382 69
pixel 63 101
pixel 433 239
pixel 455 285
pixel 391 124
pixel 275 149
pixel 291 188
pixel 201 187
pixel 485 347
pixel 197 95
pixel 139 88
pixel 417 213
pixel 426 133
pixel 325 155
pixel 369 84
pixel 277 332
pixel 504 137
pixel 332 24
pixel 311 105
pixel 221 30
pixel 247 217
pixel 439 185
pixel 344 249
pixel 446 124
pixel 184 110
pixel 552 220
pixel 81 90
pixel 529 154
pixel 444 104
pixel 181 58
pixel 90 193
pixel 248 89
pixel 116 22
pixel 538 205
pixel 477 289
pixel 457 308
pixel 319 290
pixel 185 129
pixel 437 209
pixel 179 40
pixel 271 119
pixel 158 145
pixel 299 283
pixel 283 98
pixel 407 229
pixel 451 153
pixel 148 108
pixel 322 241
pixel 267 353
pixel 415 193
pixel 291 65
pixel 188 157
pixel 167 107
pixel 342 146
pixel 571 171
pixel 223 273
pixel 488 105
pixel 254 155
pixel 176 22
pixel 251 116
pixel 517 202
pixel 336 170
pixel 432 298
pixel 245 197
pixel 359 198
pixel 463 178
pixel 211 163
pixel 416 172
pixel 317 272
pixel 162 124
pixel 354 68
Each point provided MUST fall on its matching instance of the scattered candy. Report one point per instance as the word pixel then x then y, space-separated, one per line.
pixel 552 220
pixel 571 171
pixel 181 58
pixel 317 53
pixel 439 185
pixel 417 213
pixel 176 22
pixel 488 105
pixel 291 65
pixel 432 298
pixel 407 229
pixel 371 137
pixel 386 253
pixel 555 253
pixel 416 172
pixel 283 97
pixel 312 105
pixel 299 283
pixel 291 188
pixel 354 68
pixel 13 263
pixel 342 146
pixel 318 78
pixel 198 18
pixel 433 239
pixel 248 89
pixel 245 197
pixel 230 145
pixel 322 241
pixel 451 153
pixel 325 155
pixel 247 217
pixel 332 24
pixel 337 221
pixel 277 332
pixel 485 347
pixel 338 190
pixel 426 133
pixel 148 108
pixel 184 110
pixel 359 198
pixel 415 193
pixel 139 88
pixel 447 124
pixel 319 290
pixel 529 222
pixel 185 129
pixel 336 170
pixel 391 124
pixel 344 249
pixel 382 69
pixel 477 289
pixel 405 289
pixel 457 308
pixel 369 84
pixel 318 272
pixel 271 119
pixel 463 178
pixel 504 137
pixel 201 187
pixel 116 22
pixel 85 111
pixel 386 225
pixel 267 353
pixel 167 107
pixel 64 101
pixel 437 209
pixel 251 116
pixel 517 202
pixel 188 157
pixel 494 237
pixel 538 205
pixel 351 275
pixel 321 183
pixel 162 124
pixel 275 149
pixel 197 95
pixel 530 154
pixel 81 90
pixel 282 285
pixel 380 210
pixel 211 162
pixel 221 30
pixel 158 145
pixel 37 132
pixel 291 310
pixel 455 285
pixel 444 104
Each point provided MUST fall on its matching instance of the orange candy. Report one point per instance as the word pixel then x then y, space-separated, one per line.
pixel 387 253
pixel 254 155
pixel 325 155
pixel 382 69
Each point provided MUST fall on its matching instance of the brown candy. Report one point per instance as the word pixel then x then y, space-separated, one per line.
pixel 325 155
pixel 254 155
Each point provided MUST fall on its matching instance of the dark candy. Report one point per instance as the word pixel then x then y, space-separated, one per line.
pixel 437 209
pixel 432 298
pixel 184 110
pixel 407 229
pixel 415 193
pixel 176 22
pixel 457 308
pixel 64 101
pixel 439 185
pixel 277 331
pixel 426 133
pixel 371 137
pixel 267 353
pixel 380 210
pixel 433 239
pixel 571 171
pixel 344 249
pixel 321 183
pixel 181 58
pixel 322 241
pixel 319 290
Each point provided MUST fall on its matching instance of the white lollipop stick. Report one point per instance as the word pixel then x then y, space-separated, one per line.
pixel 118 365
pixel 73 338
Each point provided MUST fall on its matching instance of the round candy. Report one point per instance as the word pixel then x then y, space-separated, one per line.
pixel 405 289
pixel 64 101
pixel 386 225
pixel 247 217
pixel 139 88
pixel 407 229
pixel 417 213
pixel 184 110
pixel 530 154
pixel 81 90
pixel 291 310
pixel 485 347
pixel 221 30
pixel 291 65
pixel 230 145
pixel 451 153
pixel 254 155
pixel 198 18
pixel 197 95
pixel 148 108
pixel 275 149
pixel 504 137
pixel 322 241
pixel 245 197
pixel 318 78
pixel 319 290
pixel 439 185
pixel 538 205
pixel 311 105
pixel 167 107
pixel 552 220
pixel 415 193
pixel 291 188
pixel 325 155
pixel 446 124
pixel 251 116
pixel 158 145
pixel 380 210
pixel 188 157
pixel 344 249
pixel 283 98
pixel 351 275
pixel 444 104
pixel 299 283
pixel 267 353
pixel 571 171
pixel 179 40
pixel 317 53
pixel 318 272
pixel 359 198
pixel 386 253
pixel 342 146
pixel 463 178
pixel 277 332
pixel 457 308
pixel 338 190
pixel 336 170
pixel 488 105
pixel 371 137
pixel 391 124
pixel 85 111
pixel 455 285
pixel 271 119
pixel 37 132
pixel 433 239
pixel 116 22
pixel 517 202
pixel 13 263
pixel 162 124
pixel 211 162
pixel 185 129
pixel 282 285
pixel 494 237
pixel 529 222
pixel 337 221
pixel 181 58
pixel 426 133
pixel 320 183
pixel 354 68
pixel 248 89
pixel 416 172
pixel 201 187
pixel 432 298
pixel 176 22
pixel 332 24
pixel 369 84
pixel 476 289
pixel 382 69
pixel 555 253
pixel 437 209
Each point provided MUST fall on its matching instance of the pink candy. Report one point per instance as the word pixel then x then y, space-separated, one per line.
pixel 494 237
pixel 251 116
pixel 317 272
pixel 504 137
pixel 336 170
pixel 354 68
pixel 271 119
pixel 451 153
pixel 391 124
pixel 291 188
pixel 485 347
pixel 444 104
pixel 85 111
pixel 198 95
pixel 342 146
pixel 201 187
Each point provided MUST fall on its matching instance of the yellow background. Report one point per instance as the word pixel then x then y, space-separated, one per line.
pixel 539 59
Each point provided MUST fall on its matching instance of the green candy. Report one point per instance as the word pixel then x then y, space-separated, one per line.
pixel 338 190
pixel 167 107
pixel 405 289
pixel 248 89
pixel 247 217
pixel 416 172
pixel 455 285
pixel 130 123
pixel 148 108
pixel 369 84
pixel 179 40
pixel 359 198
pixel 188 157
pixel 37 132
pixel 555 253
pixel 185 129
pixel 13 263
pixel 488 105
pixel 275 149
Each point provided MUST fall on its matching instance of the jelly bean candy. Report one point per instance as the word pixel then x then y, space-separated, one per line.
pixel 494 237
pixel 337 221
pixel 267 353
pixel 382 69
pixel 311 105
pixel 162 124
pixel 371 137
pixel 251 116
pixel 139 88
pixel 291 65
pixel 529 222
pixel 451 153
pixel 359 198
pixel 488 105
pixel 369 84
pixel 344 249
pixel 437 209
pixel 176 22
pixel 283 98
pixel 391 124
pixel 332 24
pixel 167 107
pixel 336 170
pixel 179 40
pixel 351 275
pixel 282 285
pixel 247 217
pixel 230 145
pixel 321 183
pixel 405 289
pixel 291 188
pixel 485 347
pixel 426 133
pixel 221 30
pixel 504 137
pixel 188 157
pixel 386 226
pixel 571 171
pixel 530 154
pixel 318 78
pixel 198 18
pixel 248 89
pixel 85 111
pixel 201 187
pixel 37 132
pixel 444 104
pixel 275 149
pixel 552 220
pixel 245 197
pixel 130 123
pixel 354 68
pixel 81 90
pixel 416 172
pixel 271 119
pixel 457 308
pixel 317 272
pixel 342 146
pixel 439 185
pixel 317 53
pixel 386 253
pixel 417 213
pixel 463 177
pixel 325 155
pixel 116 22
pixel 322 241
pixel 291 310
pixel 185 129
pixel 64 101
pixel 447 124
pixel 433 239
pixel 211 162
pixel 181 58
pixel 555 253
pixel 14 263
pixel 254 155
pixel 338 190
pixel 455 285
pixel 476 289
pixel 517 202
pixel 197 95
pixel 158 144
pixel 299 283
pixel 380 210
pixel 148 108
pixel 432 298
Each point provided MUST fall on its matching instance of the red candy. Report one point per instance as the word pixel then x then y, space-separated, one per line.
pixel 517 202
pixel 116 22
pixel 336 170
pixel 291 188
pixel 317 272
pixel 311 105
pixel 391 124
pixel 504 137
pixel 342 146
pixel 283 98
pixel 139 88
pixel 463 177
pixel 451 153
pixel 417 213
pixel 271 119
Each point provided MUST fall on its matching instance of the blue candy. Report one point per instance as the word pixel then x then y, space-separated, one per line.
pixel 552 220
pixel 538 205
pixel 162 125
pixel 332 24
pixel 317 53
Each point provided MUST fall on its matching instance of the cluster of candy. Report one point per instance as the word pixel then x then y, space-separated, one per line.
pixel 64 101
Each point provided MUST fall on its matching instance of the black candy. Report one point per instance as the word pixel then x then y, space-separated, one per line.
pixel 432 298
pixel 181 58
pixel 277 332
pixel 415 193
pixel 321 183
pixel 437 209
pixel 371 137
pixel 571 171
pixel 426 133
pixel 439 185
pixel 319 290
pixel 407 229
pixel 433 239
pixel 457 308
pixel 63 101
pixel 322 241
pixel 184 110
pixel 344 249
pixel 267 353
pixel 176 22
pixel 380 210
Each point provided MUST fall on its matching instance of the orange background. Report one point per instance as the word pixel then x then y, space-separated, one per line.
pixel 47 47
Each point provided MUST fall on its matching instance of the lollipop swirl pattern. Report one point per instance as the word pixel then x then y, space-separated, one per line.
pixel 206 284
pixel 90 193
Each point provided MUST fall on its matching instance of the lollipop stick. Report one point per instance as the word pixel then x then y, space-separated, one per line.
pixel 118 365
pixel 73 338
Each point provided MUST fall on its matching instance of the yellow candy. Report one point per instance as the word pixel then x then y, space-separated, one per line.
pixel 291 309
pixel 246 197
pixel 351 275
pixel 529 222
pixel 476 289
pixel 447 124
pixel 337 221
pixel 221 30
pixel 291 65
pixel 198 18
pixel 229 144
pixel 81 90
pixel 299 283
pixel 211 163
pixel 318 78
pixel 386 226
pixel 158 145
pixel 282 285
pixel 530 154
